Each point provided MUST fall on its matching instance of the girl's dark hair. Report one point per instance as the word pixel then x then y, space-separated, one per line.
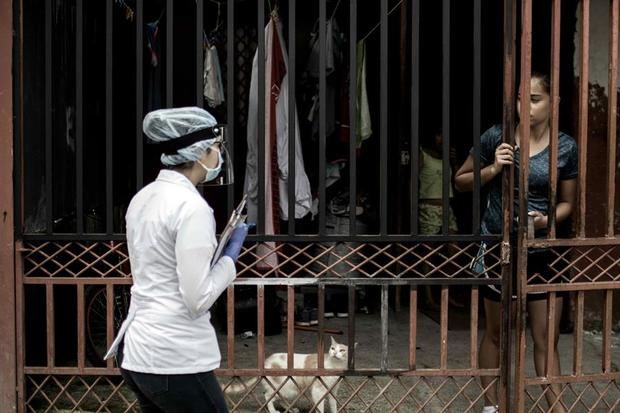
pixel 544 80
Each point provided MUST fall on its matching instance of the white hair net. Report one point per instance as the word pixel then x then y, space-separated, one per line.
pixel 165 124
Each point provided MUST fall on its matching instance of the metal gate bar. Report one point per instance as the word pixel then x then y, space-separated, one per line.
pixel 612 112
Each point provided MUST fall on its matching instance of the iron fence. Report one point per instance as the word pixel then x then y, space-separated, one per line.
pixel 78 258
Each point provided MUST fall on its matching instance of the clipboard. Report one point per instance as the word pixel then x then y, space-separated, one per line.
pixel 236 218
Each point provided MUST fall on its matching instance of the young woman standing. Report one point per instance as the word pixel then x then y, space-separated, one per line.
pixel 494 155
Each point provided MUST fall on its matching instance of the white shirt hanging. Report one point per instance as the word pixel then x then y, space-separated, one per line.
pixel 303 194
pixel 212 77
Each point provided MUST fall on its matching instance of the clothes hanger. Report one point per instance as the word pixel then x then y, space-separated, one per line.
pixel 335 10
pixel 379 24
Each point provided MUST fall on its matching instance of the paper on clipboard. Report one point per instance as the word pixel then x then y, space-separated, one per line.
pixel 235 219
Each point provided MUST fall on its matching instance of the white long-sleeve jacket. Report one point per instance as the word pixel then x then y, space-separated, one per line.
pixel 171 239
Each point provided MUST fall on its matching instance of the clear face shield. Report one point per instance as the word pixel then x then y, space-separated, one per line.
pixel 226 174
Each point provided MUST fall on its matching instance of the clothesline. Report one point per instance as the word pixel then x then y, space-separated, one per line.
pixel 379 24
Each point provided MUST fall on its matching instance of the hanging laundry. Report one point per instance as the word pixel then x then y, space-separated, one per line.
pixel 153 72
pixel 364 127
pixel 334 45
pixel 152 42
pixel 212 77
pixel 276 146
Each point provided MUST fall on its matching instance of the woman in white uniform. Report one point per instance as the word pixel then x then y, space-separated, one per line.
pixel 167 348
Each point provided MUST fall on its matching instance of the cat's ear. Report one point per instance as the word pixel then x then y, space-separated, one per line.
pixel 333 341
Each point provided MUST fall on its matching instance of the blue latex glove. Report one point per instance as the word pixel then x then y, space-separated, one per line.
pixel 233 247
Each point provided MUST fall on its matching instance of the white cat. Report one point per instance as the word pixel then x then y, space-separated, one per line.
pixel 336 358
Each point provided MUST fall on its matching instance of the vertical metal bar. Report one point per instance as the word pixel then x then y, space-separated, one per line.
pixel 473 327
pixel 612 120
pixel 578 334
pixel 384 327
pixel 509 60
pixel 383 98
pixel 555 113
pixel 549 359
pixel 476 115
pixel 445 114
pixel 139 93
pixel 292 118
pixel 20 342
pixel 260 290
pixel 109 295
pixel 11 203
pixel 49 154
pixel 81 327
pixel 524 163
pixel 322 111
pixel 230 327
pixel 443 354
pixel 79 116
pixel 413 325
pixel 290 327
pixel 583 115
pixel 260 28
pixel 199 52
pixel 15 135
pixel 321 326
pixel 415 115
pixel 169 53
pixel 352 118
pixel 51 325
pixel 109 119
pixel 351 326
pixel 607 325
pixel 230 91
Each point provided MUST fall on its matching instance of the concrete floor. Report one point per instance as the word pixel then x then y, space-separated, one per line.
pixel 429 395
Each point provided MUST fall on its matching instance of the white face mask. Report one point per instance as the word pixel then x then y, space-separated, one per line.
pixel 212 173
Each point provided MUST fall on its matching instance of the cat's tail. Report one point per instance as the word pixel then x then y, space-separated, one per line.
pixel 239 387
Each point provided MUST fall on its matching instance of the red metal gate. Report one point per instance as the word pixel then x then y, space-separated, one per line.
pixel 72 284
pixel 585 263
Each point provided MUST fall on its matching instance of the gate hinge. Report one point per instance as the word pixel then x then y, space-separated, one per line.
pixel 505 253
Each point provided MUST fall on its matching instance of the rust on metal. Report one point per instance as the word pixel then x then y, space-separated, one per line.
pixel 384 327
pixel 290 327
pixel 8 303
pixel 81 327
pixel 443 345
pixel 413 325
pixel 339 372
pixel 20 338
pixel 230 327
pixel 473 328
pixel 260 308
pixel 612 113
pixel 51 328
pixel 586 286
pixel 554 116
pixel 583 116
pixel 508 128
pixel 607 329
pixel 351 327
pixel 578 335
pixel 525 90
pixel 321 310
pixel 550 356
pixel 109 292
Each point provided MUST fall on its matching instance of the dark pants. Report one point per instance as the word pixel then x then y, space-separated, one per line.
pixel 175 393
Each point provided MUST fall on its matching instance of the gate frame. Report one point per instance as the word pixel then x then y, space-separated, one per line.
pixel 8 366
